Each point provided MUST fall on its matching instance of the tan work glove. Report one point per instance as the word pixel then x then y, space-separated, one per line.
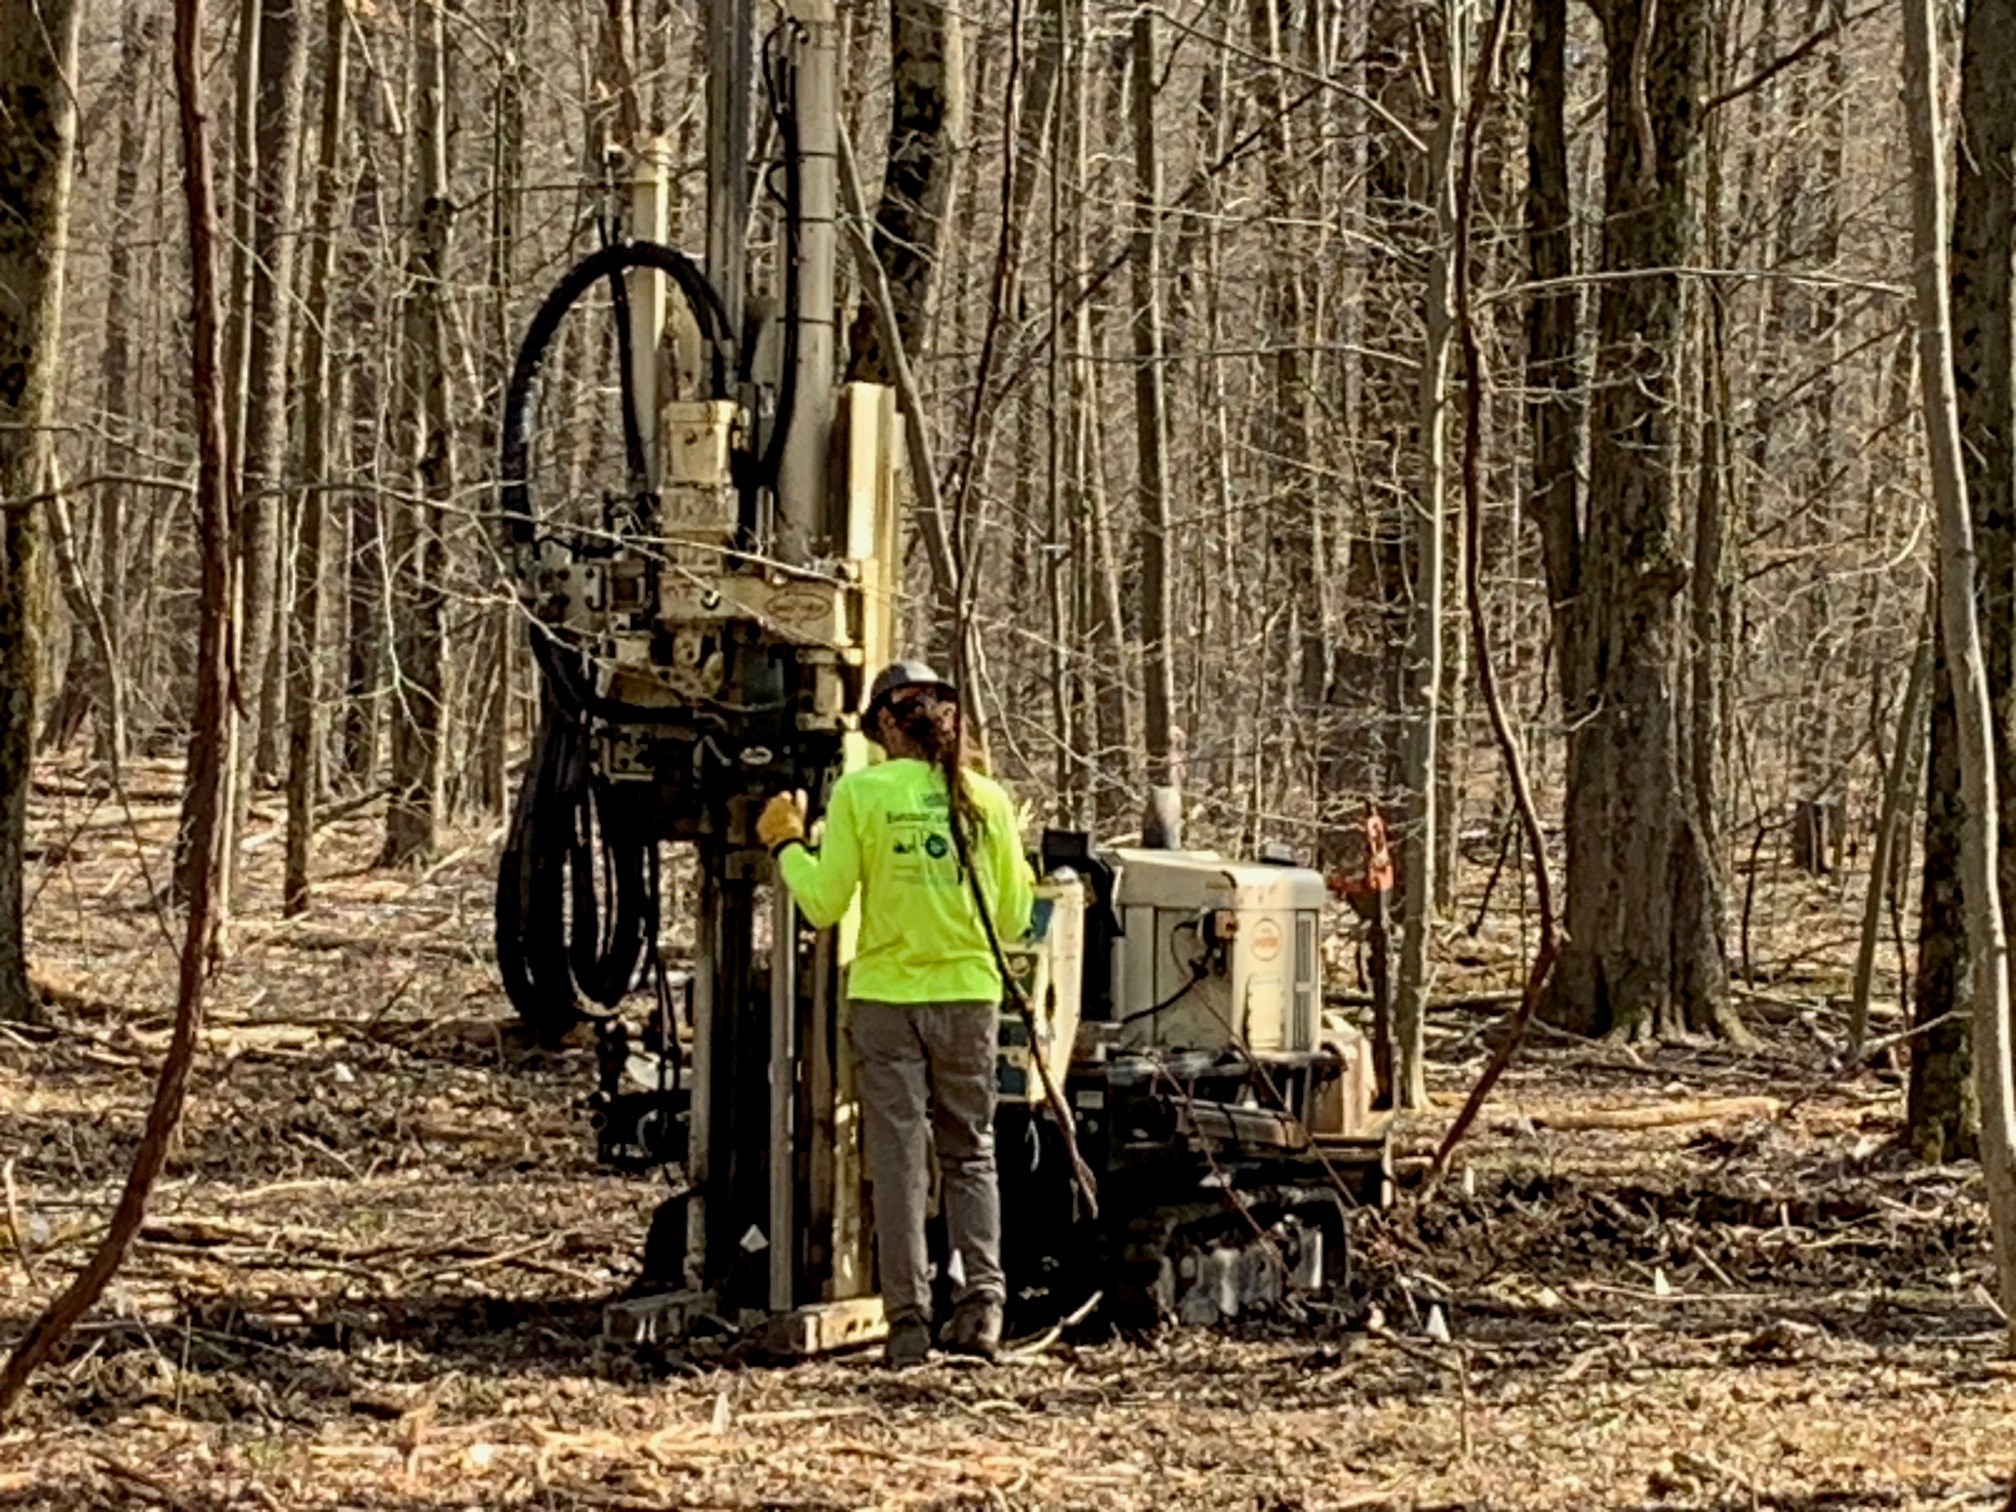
pixel 782 821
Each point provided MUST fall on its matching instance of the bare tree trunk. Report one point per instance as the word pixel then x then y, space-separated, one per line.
pixel 1419 852
pixel 363 452
pixel 305 647
pixel 1057 570
pixel 1711 594
pixel 1556 416
pixel 364 631
pixel 1555 406
pixel 1037 111
pixel 91 639
pixel 1984 345
pixel 1452 747
pixel 419 713
pixel 1898 791
pixel 272 64
pixel 243 196
pixel 1113 798
pixel 38 62
pixel 1700 973
pixel 214 715
pixel 1475 397
pixel 139 33
pixel 1642 957
pixel 1101 603
pixel 1284 427
pixel 1151 414
pixel 283 61
pixel 507 149
pixel 927 118
pixel 1987 942
pixel 918 451
pixel 1356 727
pixel 1983 297
pixel 1943 1115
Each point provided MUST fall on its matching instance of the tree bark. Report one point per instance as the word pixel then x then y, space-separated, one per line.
pixel 1284 418
pixel 419 713
pixel 1068 768
pixel 927 118
pixel 1899 788
pixel 283 61
pixel 1101 606
pixel 1151 413
pixel 272 60
pixel 1711 598
pixel 305 722
pixel 1360 712
pixel 1942 1117
pixel 1987 941
pixel 243 196
pixel 366 578
pixel 1419 850
pixel 1984 346
pixel 38 65
pixel 507 169
pixel 1943 1114
pixel 139 33
pixel 1035 114
pixel 1556 403
pixel 90 637
pixel 1114 797
pixel 1643 956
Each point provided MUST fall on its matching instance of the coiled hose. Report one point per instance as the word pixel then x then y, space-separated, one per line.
pixel 577 907
pixel 577 887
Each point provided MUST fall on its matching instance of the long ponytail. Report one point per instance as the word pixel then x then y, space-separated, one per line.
pixel 934 726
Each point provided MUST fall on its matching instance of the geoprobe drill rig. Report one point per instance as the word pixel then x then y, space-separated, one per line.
pixel 705 634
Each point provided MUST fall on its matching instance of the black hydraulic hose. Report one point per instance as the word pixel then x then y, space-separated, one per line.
pixel 1197 974
pixel 531 952
pixel 784 106
pixel 514 462
pixel 575 689
pixel 633 427
pixel 577 903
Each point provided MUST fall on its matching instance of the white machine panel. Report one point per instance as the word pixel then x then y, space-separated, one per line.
pixel 1224 952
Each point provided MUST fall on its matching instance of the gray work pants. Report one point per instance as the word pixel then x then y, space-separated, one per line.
pixel 925 1072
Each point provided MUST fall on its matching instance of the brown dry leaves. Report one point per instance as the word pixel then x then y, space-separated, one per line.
pixel 374 1275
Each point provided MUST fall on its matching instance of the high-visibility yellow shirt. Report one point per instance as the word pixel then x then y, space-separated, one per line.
pixel 888 834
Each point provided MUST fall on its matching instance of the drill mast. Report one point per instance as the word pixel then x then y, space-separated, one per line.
pixel 708 647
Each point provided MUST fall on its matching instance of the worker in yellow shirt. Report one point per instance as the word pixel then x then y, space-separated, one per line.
pixel 926 841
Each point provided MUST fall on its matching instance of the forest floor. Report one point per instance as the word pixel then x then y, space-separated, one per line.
pixel 374 1275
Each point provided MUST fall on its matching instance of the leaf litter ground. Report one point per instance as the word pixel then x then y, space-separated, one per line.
pixel 374 1275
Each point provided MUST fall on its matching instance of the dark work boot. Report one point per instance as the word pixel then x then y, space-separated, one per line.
pixel 909 1343
pixel 975 1328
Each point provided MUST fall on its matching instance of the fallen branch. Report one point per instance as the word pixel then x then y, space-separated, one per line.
pixel 141 1481
pixel 1659 1115
pixel 1055 1331
pixel 1473 1002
